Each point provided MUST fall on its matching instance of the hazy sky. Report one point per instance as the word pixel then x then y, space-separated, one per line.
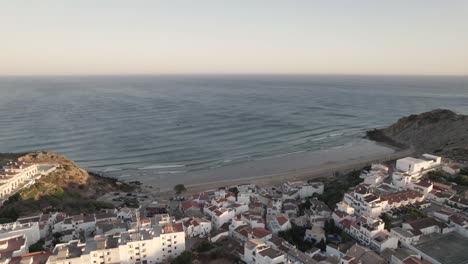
pixel 237 36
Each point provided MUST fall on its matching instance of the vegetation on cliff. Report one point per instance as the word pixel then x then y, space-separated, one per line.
pixel 439 131
pixel 69 189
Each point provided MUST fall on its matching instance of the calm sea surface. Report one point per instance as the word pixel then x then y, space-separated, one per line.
pixel 183 123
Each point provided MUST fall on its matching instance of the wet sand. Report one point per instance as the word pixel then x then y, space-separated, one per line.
pixel 267 172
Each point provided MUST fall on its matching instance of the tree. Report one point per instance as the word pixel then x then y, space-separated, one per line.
pixel 387 221
pixel 330 227
pixel 179 188
pixel 322 245
pixel 185 258
pixel 204 246
pixel 304 206
pixel 345 236
pixel 36 247
pixel 235 191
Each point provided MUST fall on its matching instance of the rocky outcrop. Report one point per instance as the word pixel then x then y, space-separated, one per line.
pixel 69 189
pixel 439 131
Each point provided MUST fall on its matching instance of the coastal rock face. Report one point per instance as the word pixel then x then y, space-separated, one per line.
pixel 67 173
pixel 69 189
pixel 439 131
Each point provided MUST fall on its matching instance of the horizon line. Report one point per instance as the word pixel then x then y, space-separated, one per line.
pixel 229 74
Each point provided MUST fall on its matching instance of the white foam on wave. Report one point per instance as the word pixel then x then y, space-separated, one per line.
pixel 111 169
pixel 160 166
pixel 318 139
pixel 170 172
pixel 290 153
pixel 335 134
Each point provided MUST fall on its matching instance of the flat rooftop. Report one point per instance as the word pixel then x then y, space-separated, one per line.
pixel 449 248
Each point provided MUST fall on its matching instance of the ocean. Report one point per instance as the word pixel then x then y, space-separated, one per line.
pixel 174 124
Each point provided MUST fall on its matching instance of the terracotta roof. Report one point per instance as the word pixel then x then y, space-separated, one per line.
pixel 424 183
pixel 425 223
pixel 459 199
pixel 415 260
pixel 340 214
pixel 260 232
pixel 401 196
pixel 31 258
pixel 270 252
pixel 346 223
pixel 458 219
pixel 176 227
pixel 10 245
pixel 282 219
pixel 189 204
pixel 77 218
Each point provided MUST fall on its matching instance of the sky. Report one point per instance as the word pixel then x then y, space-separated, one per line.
pixel 76 37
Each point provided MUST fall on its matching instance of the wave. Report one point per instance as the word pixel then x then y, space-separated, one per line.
pixel 318 139
pixel 335 134
pixel 290 153
pixel 160 166
pixel 170 172
pixel 111 169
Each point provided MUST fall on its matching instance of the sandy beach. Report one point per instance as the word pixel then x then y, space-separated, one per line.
pixel 271 171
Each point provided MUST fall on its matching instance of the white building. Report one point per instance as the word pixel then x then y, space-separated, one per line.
pixel 302 189
pixel 278 223
pixel 451 169
pixel 365 228
pixel 383 240
pixel 221 216
pixel 274 207
pixel 149 245
pixel 257 252
pixel 412 169
pixel 194 227
pixel 253 219
pixel 426 226
pixel 12 247
pixel 315 233
pixel 416 166
pixel 29 230
pixel 375 175
pixel 14 176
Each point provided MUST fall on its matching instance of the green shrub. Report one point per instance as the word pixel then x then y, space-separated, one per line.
pixel 185 258
pixel 38 246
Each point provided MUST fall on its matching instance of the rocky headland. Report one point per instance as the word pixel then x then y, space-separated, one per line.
pixel 68 189
pixel 440 131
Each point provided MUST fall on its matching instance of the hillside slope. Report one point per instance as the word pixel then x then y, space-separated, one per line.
pixel 439 131
pixel 69 189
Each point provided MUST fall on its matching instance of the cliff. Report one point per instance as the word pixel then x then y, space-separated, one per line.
pixel 439 131
pixel 69 189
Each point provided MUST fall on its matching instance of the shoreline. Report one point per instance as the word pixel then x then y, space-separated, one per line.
pixel 301 166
